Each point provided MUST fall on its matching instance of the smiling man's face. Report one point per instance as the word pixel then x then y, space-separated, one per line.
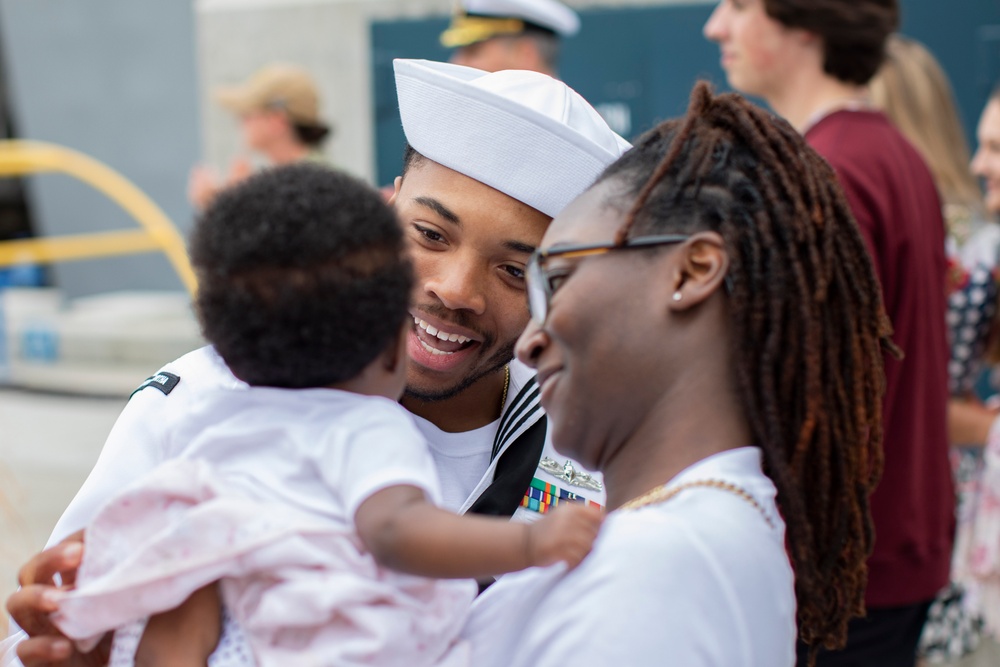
pixel 470 246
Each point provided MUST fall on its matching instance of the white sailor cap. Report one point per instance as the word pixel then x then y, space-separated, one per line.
pixel 523 133
pixel 479 20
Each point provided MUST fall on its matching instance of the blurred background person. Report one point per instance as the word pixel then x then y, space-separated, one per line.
pixel 494 35
pixel 977 544
pixel 279 113
pixel 913 90
pixel 812 63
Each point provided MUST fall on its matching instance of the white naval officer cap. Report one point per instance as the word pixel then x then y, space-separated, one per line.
pixel 478 20
pixel 523 133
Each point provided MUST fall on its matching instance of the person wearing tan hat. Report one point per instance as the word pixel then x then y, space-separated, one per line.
pixel 278 109
pixel 495 35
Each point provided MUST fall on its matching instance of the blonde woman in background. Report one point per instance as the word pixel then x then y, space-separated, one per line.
pixel 913 90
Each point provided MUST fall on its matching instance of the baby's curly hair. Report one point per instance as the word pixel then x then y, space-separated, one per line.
pixel 303 276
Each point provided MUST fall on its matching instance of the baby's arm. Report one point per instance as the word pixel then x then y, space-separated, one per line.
pixel 185 636
pixel 407 533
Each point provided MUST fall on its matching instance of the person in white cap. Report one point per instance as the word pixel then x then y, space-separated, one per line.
pixel 279 113
pixel 492 158
pixel 494 35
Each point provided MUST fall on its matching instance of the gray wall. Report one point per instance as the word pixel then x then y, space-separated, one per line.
pixel 114 79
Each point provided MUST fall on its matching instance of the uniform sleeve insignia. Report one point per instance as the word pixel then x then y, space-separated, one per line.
pixel 164 382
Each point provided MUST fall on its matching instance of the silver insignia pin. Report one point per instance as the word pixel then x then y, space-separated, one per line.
pixel 568 473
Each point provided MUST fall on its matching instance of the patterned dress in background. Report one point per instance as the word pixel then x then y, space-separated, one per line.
pixel 955 625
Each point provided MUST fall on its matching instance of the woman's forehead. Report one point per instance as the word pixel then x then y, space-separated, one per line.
pixel 590 218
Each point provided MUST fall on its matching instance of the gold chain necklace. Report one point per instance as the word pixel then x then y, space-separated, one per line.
pixel 662 494
pixel 506 385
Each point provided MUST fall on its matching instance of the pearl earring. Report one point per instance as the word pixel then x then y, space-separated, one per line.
pixel 677 296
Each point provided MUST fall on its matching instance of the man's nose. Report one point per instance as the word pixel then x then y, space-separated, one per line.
pixel 714 28
pixel 458 283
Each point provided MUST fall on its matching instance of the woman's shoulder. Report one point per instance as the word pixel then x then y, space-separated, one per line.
pixel 664 581
pixel 705 531
pixel 703 547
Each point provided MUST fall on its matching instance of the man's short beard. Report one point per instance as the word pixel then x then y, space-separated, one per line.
pixel 497 360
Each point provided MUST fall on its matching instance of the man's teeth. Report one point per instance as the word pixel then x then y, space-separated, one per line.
pixel 434 350
pixel 454 338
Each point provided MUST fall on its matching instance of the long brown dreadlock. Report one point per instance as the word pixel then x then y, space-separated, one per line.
pixel 809 327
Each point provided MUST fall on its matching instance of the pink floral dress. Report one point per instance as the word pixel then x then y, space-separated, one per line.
pixel 971 603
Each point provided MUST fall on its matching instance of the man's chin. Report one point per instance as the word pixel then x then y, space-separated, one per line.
pixel 425 396
pixel 427 393
pixel 418 388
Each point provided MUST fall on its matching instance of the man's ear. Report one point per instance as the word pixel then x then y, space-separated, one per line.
pixel 700 270
pixel 395 191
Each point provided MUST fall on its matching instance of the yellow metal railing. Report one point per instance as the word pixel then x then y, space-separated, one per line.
pixel 157 234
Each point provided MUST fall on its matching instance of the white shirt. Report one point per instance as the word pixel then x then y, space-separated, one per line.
pixel 701 580
pixel 461 459
pixel 321 451
pixel 263 489
pixel 139 442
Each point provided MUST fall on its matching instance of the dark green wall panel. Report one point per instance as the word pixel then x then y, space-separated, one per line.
pixel 637 65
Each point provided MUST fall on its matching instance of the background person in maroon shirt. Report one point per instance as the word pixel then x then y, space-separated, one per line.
pixel 811 61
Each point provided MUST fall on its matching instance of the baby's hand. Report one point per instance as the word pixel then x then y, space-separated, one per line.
pixel 566 534
pixel 203 185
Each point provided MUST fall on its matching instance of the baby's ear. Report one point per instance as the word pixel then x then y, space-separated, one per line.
pixel 395 353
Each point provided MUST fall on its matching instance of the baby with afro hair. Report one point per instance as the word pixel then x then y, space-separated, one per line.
pixel 306 489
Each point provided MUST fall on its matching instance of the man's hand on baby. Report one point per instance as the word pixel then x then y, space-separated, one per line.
pixel 566 534
pixel 31 605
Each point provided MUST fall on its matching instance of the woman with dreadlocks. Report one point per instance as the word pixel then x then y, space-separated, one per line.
pixel 709 334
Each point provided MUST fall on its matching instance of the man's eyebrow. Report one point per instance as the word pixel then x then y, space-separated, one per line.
pixel 519 246
pixel 450 216
pixel 439 208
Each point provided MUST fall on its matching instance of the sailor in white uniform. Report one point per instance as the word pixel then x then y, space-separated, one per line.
pixel 493 154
